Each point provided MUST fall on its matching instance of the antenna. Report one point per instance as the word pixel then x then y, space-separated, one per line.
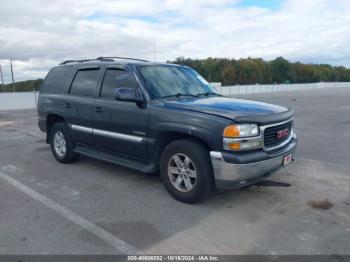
pixel 13 81
pixel 2 80
pixel 154 49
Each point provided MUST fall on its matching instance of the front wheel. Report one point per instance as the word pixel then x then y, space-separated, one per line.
pixel 186 171
pixel 61 144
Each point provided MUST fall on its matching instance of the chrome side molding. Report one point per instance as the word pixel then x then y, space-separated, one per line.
pixel 114 135
pixel 82 129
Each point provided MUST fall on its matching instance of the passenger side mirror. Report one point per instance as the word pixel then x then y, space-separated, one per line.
pixel 128 94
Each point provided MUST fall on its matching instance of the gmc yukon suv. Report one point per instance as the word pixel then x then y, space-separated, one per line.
pixel 162 117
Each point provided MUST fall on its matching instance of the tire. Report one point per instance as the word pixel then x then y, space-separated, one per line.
pixel 188 181
pixel 61 143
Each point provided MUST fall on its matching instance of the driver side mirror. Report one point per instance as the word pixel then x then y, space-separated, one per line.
pixel 128 94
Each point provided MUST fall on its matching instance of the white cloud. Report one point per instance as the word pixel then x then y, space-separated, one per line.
pixel 38 34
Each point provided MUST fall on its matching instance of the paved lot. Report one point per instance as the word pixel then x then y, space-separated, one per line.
pixel 92 207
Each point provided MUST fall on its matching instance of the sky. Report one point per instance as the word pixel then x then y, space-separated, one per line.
pixel 38 34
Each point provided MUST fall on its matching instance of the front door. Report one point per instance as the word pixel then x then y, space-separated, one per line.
pixel 120 127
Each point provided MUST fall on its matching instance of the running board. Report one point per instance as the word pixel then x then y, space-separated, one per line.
pixel 115 159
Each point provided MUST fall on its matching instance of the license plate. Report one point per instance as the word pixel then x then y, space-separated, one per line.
pixel 287 159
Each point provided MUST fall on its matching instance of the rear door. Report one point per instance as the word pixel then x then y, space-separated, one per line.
pixel 79 103
pixel 120 127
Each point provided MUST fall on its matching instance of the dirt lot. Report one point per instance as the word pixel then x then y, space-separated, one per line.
pixel 92 207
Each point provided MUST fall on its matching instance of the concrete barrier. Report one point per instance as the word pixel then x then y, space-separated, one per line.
pixel 19 100
pixel 252 89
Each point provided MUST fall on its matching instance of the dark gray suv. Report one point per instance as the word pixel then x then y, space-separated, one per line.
pixel 162 117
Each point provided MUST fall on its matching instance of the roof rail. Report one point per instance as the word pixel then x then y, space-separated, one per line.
pixel 102 58
pixel 120 57
pixel 76 61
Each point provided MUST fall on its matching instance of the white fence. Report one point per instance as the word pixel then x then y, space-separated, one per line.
pixel 252 89
pixel 25 100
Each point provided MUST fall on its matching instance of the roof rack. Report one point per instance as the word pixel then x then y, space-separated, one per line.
pixel 120 57
pixel 76 61
pixel 102 58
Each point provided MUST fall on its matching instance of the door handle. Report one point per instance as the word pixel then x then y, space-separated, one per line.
pixel 67 105
pixel 99 109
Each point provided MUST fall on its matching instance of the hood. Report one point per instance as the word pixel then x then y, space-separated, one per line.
pixel 238 110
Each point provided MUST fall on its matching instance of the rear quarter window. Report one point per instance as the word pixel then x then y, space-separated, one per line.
pixel 56 80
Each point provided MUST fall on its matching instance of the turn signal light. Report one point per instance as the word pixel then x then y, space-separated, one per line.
pixel 231 131
pixel 234 146
pixel 237 144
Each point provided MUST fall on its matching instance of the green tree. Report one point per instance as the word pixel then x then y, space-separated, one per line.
pixel 256 70
pixel 281 70
pixel 228 75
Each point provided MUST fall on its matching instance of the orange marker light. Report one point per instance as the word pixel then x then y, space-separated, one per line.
pixel 235 146
pixel 231 131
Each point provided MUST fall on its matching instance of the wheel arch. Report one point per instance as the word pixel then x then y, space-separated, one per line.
pixel 51 119
pixel 165 138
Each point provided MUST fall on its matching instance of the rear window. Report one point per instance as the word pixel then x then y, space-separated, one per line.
pixel 56 80
pixel 84 83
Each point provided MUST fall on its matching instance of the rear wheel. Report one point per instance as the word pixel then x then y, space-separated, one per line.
pixel 62 145
pixel 186 171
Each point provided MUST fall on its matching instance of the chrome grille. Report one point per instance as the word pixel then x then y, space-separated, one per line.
pixel 271 134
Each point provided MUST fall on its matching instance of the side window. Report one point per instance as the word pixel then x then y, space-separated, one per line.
pixel 56 80
pixel 84 83
pixel 113 79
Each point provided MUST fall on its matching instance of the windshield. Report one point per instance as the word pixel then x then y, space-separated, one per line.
pixel 163 81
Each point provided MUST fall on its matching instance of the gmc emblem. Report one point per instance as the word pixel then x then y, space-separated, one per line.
pixel 282 133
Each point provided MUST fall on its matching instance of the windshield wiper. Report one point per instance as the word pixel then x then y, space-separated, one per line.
pixel 178 95
pixel 207 94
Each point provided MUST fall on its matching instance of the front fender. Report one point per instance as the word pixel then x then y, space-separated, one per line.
pixel 191 130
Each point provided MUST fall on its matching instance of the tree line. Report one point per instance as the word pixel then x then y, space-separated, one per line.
pixel 256 70
pixel 22 86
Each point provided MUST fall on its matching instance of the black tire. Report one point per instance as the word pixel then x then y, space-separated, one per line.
pixel 69 155
pixel 199 156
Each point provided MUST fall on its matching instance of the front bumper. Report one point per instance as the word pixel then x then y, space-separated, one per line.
pixel 233 171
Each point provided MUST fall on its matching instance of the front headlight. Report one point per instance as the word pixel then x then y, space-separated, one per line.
pixel 245 130
pixel 241 137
